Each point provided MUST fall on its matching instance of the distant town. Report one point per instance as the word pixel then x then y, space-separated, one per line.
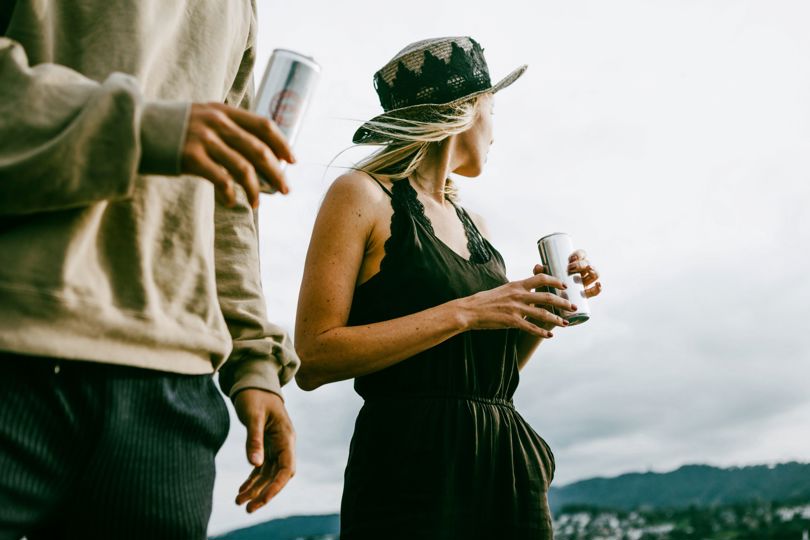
pixel 755 521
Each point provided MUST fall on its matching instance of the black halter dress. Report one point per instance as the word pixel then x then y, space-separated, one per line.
pixel 439 451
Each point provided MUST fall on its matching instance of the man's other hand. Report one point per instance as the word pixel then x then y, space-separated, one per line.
pixel 270 446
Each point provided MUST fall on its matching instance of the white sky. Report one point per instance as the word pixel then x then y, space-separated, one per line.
pixel 670 138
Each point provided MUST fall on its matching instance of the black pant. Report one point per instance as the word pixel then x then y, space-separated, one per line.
pixel 91 450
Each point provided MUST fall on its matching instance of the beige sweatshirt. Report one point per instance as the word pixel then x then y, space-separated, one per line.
pixel 107 254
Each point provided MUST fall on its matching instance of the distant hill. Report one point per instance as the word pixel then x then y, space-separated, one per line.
pixel 700 486
pixel 690 485
pixel 324 527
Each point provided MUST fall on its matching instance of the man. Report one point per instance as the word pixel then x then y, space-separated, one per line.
pixel 123 283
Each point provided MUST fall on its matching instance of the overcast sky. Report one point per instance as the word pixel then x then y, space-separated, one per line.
pixel 670 139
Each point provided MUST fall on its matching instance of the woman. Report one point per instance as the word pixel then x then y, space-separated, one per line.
pixel 403 292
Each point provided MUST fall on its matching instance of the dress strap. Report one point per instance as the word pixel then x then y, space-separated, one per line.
pixel 385 189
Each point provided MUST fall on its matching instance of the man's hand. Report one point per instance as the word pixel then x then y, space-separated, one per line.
pixel 270 446
pixel 226 144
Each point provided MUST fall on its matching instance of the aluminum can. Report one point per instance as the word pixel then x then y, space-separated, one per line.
pixel 555 249
pixel 287 86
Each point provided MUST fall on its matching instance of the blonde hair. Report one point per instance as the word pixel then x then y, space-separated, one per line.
pixel 411 139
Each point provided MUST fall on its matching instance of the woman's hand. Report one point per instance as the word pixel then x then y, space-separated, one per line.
pixel 517 305
pixel 579 264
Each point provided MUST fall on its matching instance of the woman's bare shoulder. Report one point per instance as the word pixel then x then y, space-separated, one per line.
pixel 356 194
pixel 356 186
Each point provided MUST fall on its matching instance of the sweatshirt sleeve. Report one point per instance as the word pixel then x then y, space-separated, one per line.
pixel 69 141
pixel 263 355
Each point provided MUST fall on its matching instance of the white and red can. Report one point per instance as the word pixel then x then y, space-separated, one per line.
pixel 285 92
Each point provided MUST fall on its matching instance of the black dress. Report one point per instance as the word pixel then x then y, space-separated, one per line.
pixel 439 451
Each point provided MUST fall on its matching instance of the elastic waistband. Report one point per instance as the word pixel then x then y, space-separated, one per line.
pixel 35 365
pixel 504 402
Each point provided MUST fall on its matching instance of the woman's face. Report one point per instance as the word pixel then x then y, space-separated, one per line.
pixel 472 146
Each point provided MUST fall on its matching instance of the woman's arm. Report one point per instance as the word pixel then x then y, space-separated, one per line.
pixel 331 351
pixel 527 345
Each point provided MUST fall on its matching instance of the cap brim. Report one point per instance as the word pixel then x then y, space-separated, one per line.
pixel 367 134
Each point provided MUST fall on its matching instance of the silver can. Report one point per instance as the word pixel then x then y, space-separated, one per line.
pixel 284 94
pixel 555 249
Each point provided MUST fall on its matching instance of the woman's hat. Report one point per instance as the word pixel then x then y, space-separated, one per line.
pixel 428 76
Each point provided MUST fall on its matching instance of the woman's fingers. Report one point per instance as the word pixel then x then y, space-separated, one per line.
pixel 533 329
pixel 548 299
pixel 593 291
pixel 544 315
pixel 589 276
pixel 579 266
pixel 533 300
pixel 543 280
pixel 578 254
pixel 583 267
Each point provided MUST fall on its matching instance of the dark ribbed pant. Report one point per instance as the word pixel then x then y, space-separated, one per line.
pixel 99 451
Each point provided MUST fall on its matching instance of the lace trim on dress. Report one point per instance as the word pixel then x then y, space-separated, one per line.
pixel 405 198
pixel 477 246
pixel 399 221
pixel 404 190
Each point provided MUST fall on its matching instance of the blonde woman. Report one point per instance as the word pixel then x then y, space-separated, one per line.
pixel 403 293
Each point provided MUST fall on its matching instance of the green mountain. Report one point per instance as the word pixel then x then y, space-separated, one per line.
pixel 690 485
pixel 686 499
pixel 324 527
